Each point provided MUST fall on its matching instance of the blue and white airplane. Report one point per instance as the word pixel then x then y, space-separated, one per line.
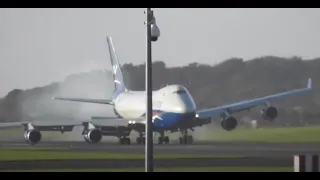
pixel 173 110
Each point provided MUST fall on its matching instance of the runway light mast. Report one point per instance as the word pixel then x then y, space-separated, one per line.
pixel 153 34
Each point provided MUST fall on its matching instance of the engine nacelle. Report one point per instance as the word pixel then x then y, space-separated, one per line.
pixel 93 135
pixel 270 113
pixel 229 123
pixel 32 136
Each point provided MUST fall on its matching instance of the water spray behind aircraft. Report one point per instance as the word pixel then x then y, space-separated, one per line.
pixel 40 105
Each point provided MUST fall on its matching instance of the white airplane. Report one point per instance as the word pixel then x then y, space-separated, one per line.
pixel 173 110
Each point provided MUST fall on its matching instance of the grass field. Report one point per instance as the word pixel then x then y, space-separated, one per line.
pixel 33 153
pixel 193 169
pixel 265 135
pixel 25 154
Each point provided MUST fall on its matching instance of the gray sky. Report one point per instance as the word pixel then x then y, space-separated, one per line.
pixel 39 46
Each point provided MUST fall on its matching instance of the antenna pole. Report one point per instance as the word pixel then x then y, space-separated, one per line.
pixel 148 84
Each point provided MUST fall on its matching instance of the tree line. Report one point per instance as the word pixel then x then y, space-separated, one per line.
pixel 210 85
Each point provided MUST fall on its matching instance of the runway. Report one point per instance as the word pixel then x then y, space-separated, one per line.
pixel 245 154
pixel 205 148
pixel 139 163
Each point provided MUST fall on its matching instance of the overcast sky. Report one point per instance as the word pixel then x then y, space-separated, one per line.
pixel 39 46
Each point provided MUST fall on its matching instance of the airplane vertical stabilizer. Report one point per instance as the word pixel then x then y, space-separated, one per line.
pixel 119 85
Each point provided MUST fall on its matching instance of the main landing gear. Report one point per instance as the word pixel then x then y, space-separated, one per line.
pixel 185 138
pixel 163 139
pixel 141 139
pixel 124 141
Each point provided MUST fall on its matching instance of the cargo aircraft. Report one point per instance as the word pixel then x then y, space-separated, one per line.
pixel 174 110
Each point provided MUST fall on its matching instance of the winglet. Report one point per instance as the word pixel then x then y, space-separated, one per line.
pixel 309 86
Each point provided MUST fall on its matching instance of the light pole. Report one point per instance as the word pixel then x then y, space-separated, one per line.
pixel 153 33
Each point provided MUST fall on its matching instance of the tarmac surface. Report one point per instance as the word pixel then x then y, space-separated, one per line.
pixel 207 148
pixel 246 154
pixel 139 163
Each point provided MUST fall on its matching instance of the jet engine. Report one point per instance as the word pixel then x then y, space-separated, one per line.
pixel 32 136
pixel 229 123
pixel 93 135
pixel 270 113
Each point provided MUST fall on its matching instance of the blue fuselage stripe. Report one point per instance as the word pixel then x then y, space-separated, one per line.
pixel 167 120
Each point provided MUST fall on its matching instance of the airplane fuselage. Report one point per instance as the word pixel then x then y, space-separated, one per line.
pixel 171 105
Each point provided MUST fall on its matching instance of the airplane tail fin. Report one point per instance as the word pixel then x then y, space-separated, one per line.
pixel 119 85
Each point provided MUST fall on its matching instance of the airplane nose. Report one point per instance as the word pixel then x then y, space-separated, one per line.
pixel 182 101
pixel 184 106
pixel 181 109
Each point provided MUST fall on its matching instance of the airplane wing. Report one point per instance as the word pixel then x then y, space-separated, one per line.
pixel 104 118
pixel 10 125
pixel 96 101
pixel 248 104
pixel 41 123
pixel 61 126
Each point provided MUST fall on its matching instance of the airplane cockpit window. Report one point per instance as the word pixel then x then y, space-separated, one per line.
pixel 179 92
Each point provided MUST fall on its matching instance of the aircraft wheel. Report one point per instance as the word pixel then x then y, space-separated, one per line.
pixel 125 141
pixel 186 140
pixel 164 140
pixel 141 140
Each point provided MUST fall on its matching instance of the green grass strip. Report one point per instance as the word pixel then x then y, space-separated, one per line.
pixel 47 154
pixel 193 169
